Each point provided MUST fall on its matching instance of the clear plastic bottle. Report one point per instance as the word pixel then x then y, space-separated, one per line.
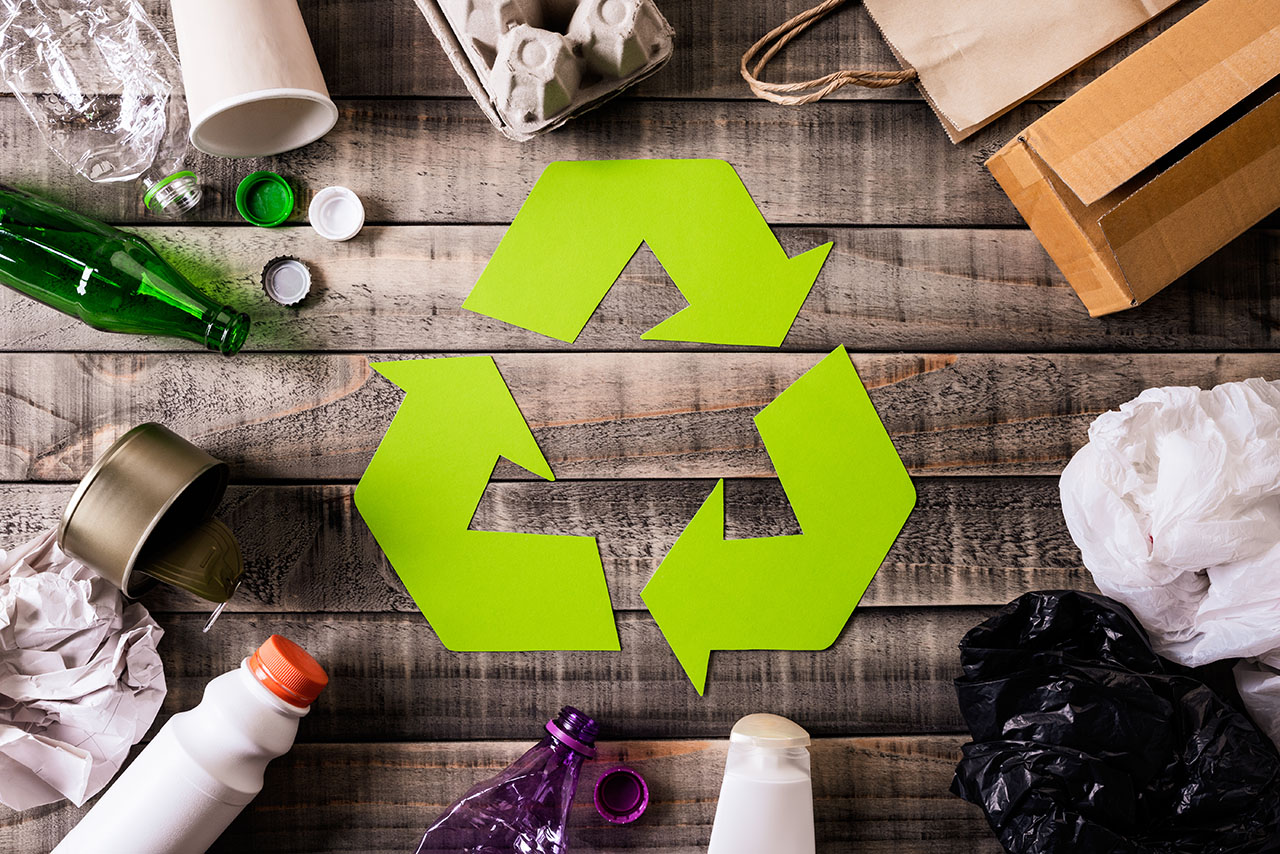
pixel 525 809
pixel 105 92
pixel 170 189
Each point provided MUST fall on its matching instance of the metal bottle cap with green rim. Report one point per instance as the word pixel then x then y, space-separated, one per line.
pixel 144 512
pixel 264 198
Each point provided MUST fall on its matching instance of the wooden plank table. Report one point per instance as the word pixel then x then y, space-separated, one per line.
pixel 983 364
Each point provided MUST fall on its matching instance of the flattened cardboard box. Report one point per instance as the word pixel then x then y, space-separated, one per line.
pixel 1160 162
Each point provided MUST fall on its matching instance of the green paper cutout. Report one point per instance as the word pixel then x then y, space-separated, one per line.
pixel 584 220
pixel 480 590
pixel 851 495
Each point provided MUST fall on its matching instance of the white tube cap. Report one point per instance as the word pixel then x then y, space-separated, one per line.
pixel 771 731
pixel 336 213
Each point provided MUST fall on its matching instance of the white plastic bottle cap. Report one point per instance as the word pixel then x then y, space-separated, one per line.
pixel 336 213
pixel 286 280
pixel 772 731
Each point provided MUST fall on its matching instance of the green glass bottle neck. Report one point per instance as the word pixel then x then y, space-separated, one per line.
pixel 225 330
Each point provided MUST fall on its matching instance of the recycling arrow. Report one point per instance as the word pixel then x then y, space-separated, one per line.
pixel 480 590
pixel 584 220
pixel 851 495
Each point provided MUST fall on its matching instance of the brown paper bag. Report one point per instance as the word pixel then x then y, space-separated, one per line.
pixel 973 59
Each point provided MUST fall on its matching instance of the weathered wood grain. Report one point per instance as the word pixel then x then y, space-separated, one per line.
pixel 595 415
pixel 890 672
pixel 440 161
pixel 870 794
pixel 968 542
pixel 962 277
pixel 401 289
pixel 382 48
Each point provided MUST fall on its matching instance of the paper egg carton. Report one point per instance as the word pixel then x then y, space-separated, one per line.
pixel 532 65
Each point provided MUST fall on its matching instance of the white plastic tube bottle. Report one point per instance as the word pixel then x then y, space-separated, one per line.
pixel 205 765
pixel 766 799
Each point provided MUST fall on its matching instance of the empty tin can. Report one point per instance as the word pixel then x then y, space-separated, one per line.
pixel 144 512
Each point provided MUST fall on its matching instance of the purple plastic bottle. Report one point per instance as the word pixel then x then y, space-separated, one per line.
pixel 525 809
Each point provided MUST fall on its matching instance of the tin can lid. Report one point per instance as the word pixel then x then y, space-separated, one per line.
pixel 264 198
pixel 336 213
pixel 286 280
pixel 621 795
pixel 205 560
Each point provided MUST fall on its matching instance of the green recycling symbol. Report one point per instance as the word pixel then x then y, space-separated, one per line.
pixel 485 590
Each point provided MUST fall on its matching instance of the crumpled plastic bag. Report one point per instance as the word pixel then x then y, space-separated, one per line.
pixel 1175 505
pixel 98 80
pixel 80 678
pixel 1084 740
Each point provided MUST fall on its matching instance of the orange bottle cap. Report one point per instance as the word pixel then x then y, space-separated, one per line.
pixel 286 670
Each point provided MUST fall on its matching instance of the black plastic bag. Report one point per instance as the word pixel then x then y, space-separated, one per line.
pixel 1085 740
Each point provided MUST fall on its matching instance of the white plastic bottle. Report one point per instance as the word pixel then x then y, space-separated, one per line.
pixel 766 799
pixel 205 765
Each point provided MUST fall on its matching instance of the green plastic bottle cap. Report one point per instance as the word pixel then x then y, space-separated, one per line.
pixel 264 198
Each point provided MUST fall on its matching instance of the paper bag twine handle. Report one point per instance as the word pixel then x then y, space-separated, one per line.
pixel 806 91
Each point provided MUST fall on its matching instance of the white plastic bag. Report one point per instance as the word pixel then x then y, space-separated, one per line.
pixel 1259 686
pixel 1175 505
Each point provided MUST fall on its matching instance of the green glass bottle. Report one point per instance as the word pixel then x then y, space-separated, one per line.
pixel 108 278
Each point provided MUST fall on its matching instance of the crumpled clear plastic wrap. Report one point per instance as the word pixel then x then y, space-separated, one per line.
pixel 1084 740
pixel 99 81
pixel 80 678
pixel 1175 505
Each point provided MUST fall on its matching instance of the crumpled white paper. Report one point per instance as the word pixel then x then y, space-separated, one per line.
pixel 80 678
pixel 1175 505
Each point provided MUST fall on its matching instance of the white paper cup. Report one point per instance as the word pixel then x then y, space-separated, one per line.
pixel 253 85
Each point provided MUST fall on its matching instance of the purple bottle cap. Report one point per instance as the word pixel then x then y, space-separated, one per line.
pixel 621 795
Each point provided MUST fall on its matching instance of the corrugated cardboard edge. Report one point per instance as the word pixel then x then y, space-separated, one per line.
pixel 1078 236
pixel 1159 97
pixel 1085 261
pixel 471 78
pixel 1143 230
pixel 1106 264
